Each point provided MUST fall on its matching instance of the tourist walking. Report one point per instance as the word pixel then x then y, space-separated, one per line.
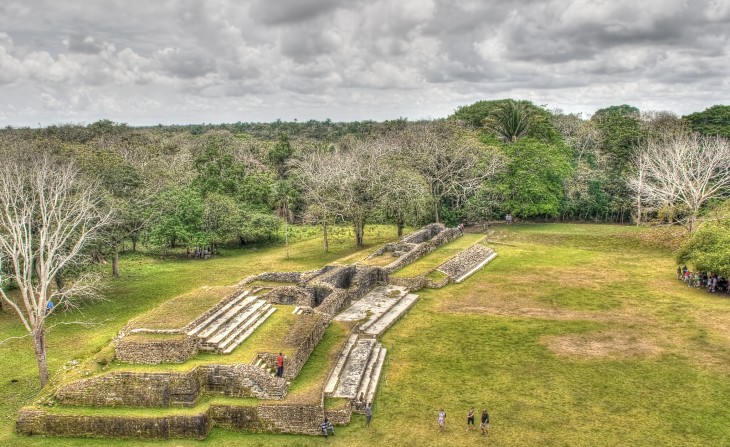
pixel 442 420
pixel 470 419
pixel 485 422
pixel 368 414
pixel 280 365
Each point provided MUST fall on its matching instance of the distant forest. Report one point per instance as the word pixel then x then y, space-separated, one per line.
pixel 216 184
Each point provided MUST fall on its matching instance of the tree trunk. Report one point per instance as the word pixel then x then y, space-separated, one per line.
pixel 326 240
pixel 39 345
pixel 134 244
pixel 400 224
pixel 436 213
pixel 359 232
pixel 115 263
pixel 286 236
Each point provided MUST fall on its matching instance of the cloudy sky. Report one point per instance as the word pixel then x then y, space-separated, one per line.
pixel 193 61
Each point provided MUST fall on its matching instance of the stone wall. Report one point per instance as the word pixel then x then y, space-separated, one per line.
pixel 465 261
pixel 290 295
pixel 349 283
pixel 292 419
pixel 294 277
pixel 422 249
pixel 176 349
pixel 414 283
pixel 307 340
pixel 39 422
pixel 296 419
pixel 424 234
pixel 333 303
pixel 172 388
pixel 340 416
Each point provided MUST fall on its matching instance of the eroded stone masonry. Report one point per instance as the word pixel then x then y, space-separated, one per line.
pixel 358 296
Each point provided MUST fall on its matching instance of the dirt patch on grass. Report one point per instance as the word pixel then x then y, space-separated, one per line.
pixel 717 323
pixel 603 345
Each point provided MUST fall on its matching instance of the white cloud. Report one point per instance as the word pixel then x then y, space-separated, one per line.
pixel 191 61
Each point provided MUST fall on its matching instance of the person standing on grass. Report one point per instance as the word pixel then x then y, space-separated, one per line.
pixel 485 422
pixel 280 365
pixel 442 420
pixel 679 273
pixel 470 419
pixel 368 414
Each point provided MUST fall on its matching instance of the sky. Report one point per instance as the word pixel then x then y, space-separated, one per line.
pixel 214 61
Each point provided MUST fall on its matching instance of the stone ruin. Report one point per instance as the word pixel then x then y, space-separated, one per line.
pixel 358 296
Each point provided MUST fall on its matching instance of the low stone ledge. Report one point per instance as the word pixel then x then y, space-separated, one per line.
pixel 466 261
pixel 443 237
pixel 290 295
pixel 169 389
pixel 39 422
pixel 153 352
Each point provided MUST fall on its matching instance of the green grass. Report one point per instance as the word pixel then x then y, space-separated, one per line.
pixel 438 256
pixel 507 338
pixel 183 309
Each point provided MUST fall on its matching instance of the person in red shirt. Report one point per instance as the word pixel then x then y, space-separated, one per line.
pixel 280 365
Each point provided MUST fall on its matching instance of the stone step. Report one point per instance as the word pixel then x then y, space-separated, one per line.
pixel 223 317
pixel 371 306
pixel 244 326
pixel 369 370
pixel 375 378
pixel 249 331
pixel 386 320
pixel 218 313
pixel 474 270
pixel 341 360
pixel 233 323
pixel 354 369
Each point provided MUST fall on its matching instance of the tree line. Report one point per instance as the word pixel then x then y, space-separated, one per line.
pixel 72 192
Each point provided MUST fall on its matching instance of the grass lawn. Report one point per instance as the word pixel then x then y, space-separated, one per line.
pixel 439 256
pixel 181 310
pixel 575 335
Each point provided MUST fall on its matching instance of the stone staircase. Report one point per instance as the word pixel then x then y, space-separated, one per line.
pixel 228 327
pixel 374 328
pixel 357 369
pixel 379 309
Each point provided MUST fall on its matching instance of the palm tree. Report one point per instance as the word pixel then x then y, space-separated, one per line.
pixel 510 121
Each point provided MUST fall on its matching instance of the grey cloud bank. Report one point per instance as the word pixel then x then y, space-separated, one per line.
pixel 188 61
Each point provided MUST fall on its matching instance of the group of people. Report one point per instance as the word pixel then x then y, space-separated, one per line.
pixel 707 280
pixel 470 424
pixel 199 253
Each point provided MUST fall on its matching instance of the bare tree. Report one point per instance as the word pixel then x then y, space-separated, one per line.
pixel 319 181
pixel 638 185
pixel 450 159
pixel 685 170
pixel 47 215
pixel 364 179
pixel 407 198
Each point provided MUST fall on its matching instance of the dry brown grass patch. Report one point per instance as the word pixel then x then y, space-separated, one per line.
pixel 614 344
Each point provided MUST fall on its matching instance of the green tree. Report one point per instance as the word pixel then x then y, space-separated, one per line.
pixel 622 133
pixel 178 218
pixel 712 121
pixel 506 117
pixel 708 249
pixel 532 184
